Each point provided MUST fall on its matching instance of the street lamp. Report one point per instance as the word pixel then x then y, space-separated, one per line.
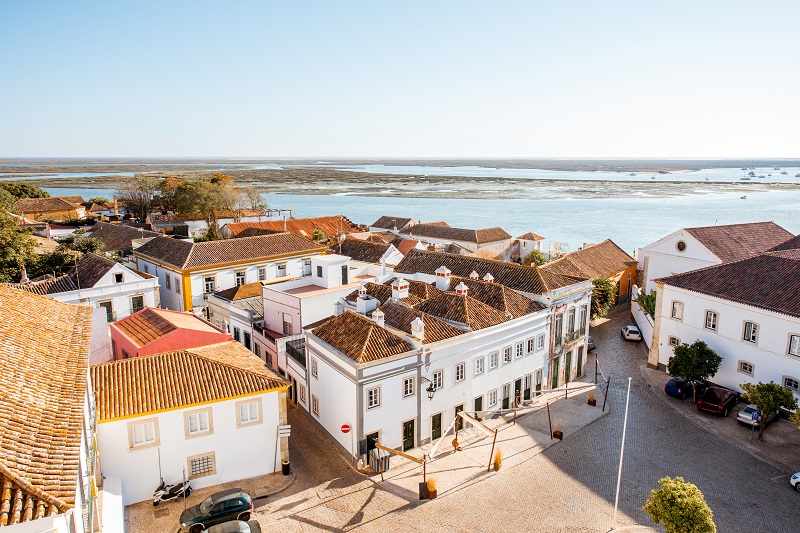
pixel 431 390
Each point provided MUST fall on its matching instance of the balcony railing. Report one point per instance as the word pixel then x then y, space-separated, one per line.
pixel 296 349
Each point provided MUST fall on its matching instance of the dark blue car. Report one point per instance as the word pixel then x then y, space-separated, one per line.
pixel 682 388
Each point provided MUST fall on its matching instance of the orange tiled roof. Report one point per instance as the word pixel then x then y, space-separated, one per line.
pixel 498 296
pixel 149 324
pixel 37 205
pixel 400 317
pixel 530 236
pixel 360 338
pixel 154 383
pixel 304 227
pixel 594 261
pixel 463 309
pixel 44 364
pixel 732 242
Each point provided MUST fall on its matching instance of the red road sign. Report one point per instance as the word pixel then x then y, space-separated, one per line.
pixel 345 428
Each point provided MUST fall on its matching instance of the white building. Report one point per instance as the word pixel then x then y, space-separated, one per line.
pixel 220 429
pixel 363 252
pixel 189 272
pixel 747 311
pixel 47 457
pixel 692 248
pixel 235 310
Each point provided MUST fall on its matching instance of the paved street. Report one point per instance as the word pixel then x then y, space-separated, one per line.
pixel 568 487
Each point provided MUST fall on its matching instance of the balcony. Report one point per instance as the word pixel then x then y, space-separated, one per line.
pixel 296 349
pixel 575 335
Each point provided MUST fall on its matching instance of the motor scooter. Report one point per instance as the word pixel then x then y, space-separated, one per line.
pixel 166 492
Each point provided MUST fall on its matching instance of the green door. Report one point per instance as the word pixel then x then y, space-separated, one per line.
pixel 567 367
pixel 459 420
pixel 579 373
pixel 478 407
pixel 344 275
pixel 436 426
pixel 554 372
pixel 408 435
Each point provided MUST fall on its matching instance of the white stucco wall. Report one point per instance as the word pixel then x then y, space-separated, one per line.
pixel 662 258
pixel 769 355
pixel 240 452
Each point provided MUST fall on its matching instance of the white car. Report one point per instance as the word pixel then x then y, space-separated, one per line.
pixel 631 333
pixel 745 416
pixel 794 481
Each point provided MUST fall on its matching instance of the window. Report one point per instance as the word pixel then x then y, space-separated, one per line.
pixel 257 348
pixel 681 246
pixel 677 310
pixel 237 334
pixel 492 397
pixel 408 387
pixel 168 282
pixel 177 285
pixel 373 398
pixel 438 379
pixel 262 274
pixel 137 303
pixel 791 383
pixel 530 345
pixel 493 360
pixel 119 277
pixel 307 267
pixel 584 312
pixel 519 350
pixel 571 321
pixel 479 364
pixel 301 393
pixel 146 269
pixel 314 369
pixel 125 355
pixel 711 320
pixel 240 277
pixel 287 324
pixel 559 326
pixel 540 341
pixel 315 405
pixel 460 372
pixel 202 465
pixel 319 271
pixel 674 341
pixel 198 423
pixel 143 434
pixel 109 310
pixel 208 285
pixel 794 345
pixel 247 340
pixel 750 332
pixel 507 354
pixel 282 270
pixel 745 368
pixel 248 413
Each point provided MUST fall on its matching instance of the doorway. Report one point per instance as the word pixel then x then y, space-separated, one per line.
pixel 344 275
pixel 372 438
pixel 459 421
pixel 527 392
pixel 408 435
pixel 506 393
pixel 517 392
pixel 579 372
pixel 436 426
pixel 478 407
pixel 538 381
pixel 554 372
pixel 567 367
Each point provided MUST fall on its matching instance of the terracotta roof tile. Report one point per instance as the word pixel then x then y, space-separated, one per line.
pixel 478 236
pixel 531 236
pixel 387 222
pixel 404 245
pixel 379 292
pixel 304 227
pixel 463 309
pixel 153 383
pixel 44 364
pixel 149 324
pixel 90 270
pixel 594 261
pixel 365 251
pixel 417 288
pixel 118 237
pixel 733 242
pixel 246 290
pixel 498 296
pixel 184 254
pixel 399 317
pixel 36 205
pixel 791 244
pixel 769 281
pixel 360 338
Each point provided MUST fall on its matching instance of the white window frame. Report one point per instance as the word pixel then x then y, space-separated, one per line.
pixel 143 426
pixel 314 367
pixel 712 317
pixel 373 398
pixel 519 350
pixel 508 354
pixel 794 351
pixel 253 413
pixel 461 372
pixel 408 387
pixel 278 268
pixel 742 366
pixel 437 380
pixel 677 310
pixel 209 280
pixel 785 382
pixel 168 281
pixel 540 341
pixel 674 341
pixel 750 332
pixel 315 405
pixel 198 416
pixel 480 365
pixel 494 357
pixel 530 345
pixel 262 273
pixel 177 284
pixel 240 277
pixel 492 398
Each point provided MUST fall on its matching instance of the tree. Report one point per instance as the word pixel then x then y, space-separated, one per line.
pixel 318 235
pixel 168 189
pixel 79 243
pixel 23 190
pixel 536 257
pixel 7 200
pixel 206 199
pixel 254 199
pixel 768 397
pixel 603 296
pixel 138 193
pixel 647 302
pixel 99 200
pixel 17 248
pixel 694 362
pixel 680 506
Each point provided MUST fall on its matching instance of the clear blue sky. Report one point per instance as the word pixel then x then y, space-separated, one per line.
pixel 401 79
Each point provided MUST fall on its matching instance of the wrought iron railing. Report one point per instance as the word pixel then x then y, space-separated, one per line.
pixel 296 349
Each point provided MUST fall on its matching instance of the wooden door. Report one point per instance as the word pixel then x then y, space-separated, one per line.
pixel 408 435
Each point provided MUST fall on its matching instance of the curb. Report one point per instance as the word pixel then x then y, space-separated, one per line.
pixel 285 485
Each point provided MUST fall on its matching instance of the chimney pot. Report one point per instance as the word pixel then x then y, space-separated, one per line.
pixel 461 289
pixel 443 278
pixel 488 277
pixel 418 329
pixel 378 317
pixel 399 289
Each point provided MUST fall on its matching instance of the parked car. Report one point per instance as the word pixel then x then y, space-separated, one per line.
pixel 236 526
pixel 745 416
pixel 631 333
pixel 682 388
pixel 717 400
pixel 794 481
pixel 225 506
pixel 590 344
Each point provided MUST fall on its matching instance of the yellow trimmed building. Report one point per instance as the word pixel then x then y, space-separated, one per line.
pixel 210 413
pixel 188 272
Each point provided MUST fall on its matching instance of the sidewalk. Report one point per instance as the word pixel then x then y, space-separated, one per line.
pixel 518 443
pixel 781 446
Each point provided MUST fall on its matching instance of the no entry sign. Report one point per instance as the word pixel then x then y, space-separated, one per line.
pixel 345 428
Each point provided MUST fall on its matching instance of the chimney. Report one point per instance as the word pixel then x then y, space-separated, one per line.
pixel 418 329
pixel 116 207
pixel 377 316
pixel 461 289
pixel 24 276
pixel 474 275
pixel 399 289
pixel 362 291
pixel 366 304
pixel 488 278
pixel 338 308
pixel 443 278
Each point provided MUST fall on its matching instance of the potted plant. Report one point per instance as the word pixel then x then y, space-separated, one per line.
pixel 498 460
pixel 432 488
pixel 591 401
pixel 558 432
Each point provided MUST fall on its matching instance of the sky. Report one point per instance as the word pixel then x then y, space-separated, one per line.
pixel 528 79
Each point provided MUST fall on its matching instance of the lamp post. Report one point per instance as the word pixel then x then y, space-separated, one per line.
pixel 431 390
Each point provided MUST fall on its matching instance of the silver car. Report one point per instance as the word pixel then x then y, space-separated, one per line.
pixel 631 333
pixel 236 526
pixel 794 481
pixel 745 416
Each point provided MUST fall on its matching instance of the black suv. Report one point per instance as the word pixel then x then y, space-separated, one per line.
pixel 231 504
